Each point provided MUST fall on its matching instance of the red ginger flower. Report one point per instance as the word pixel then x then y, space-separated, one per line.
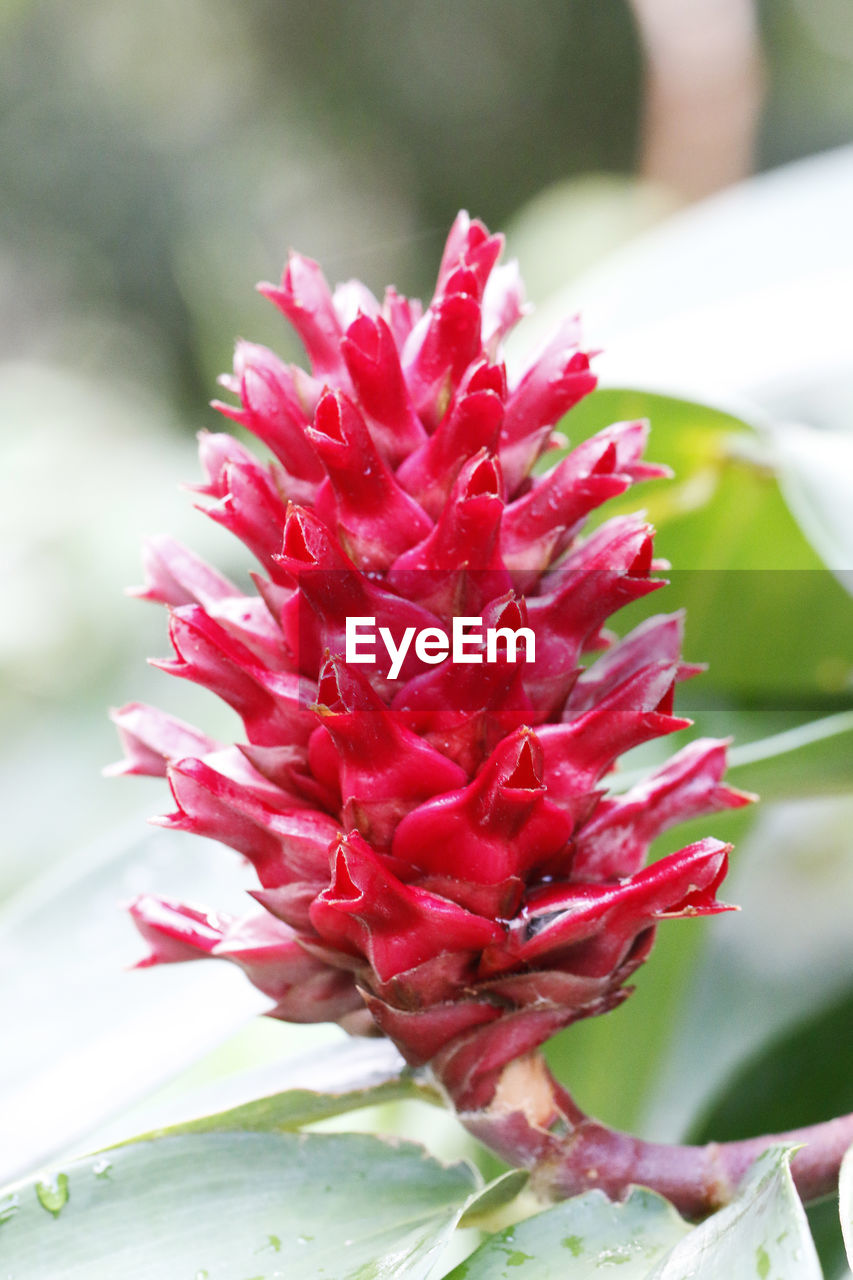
pixel 435 847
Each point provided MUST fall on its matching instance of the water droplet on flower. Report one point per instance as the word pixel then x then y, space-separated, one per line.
pixel 102 1168
pixel 53 1196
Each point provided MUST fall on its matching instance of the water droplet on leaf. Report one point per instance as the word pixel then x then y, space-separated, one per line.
pixel 53 1196
pixel 9 1206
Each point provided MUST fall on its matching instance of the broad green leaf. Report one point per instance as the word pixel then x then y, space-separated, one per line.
pixel 237 1206
pixel 677 1036
pixel 112 1035
pixel 801 1077
pixel 219 1082
pixel 798 1078
pixel 287 1112
pixel 580 1238
pixel 763 1233
pixel 816 469
pixel 785 956
pixel 706 305
pixel 762 609
pixel 494 1198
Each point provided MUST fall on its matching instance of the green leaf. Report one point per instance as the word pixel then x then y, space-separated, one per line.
pixel 815 758
pixel 721 492
pixel 811 758
pixel 290 1111
pixel 562 230
pixel 237 1206
pixel 799 1078
pixel 494 1199
pixel 780 960
pixel 815 469
pixel 580 1238
pixel 763 1233
pixel 112 1035
pixel 702 306
pixel 762 609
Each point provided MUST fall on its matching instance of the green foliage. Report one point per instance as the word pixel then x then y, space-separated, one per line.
pixel 288 1112
pixel 762 1233
pixel 577 1238
pixel 252 1203
pixel 237 1206
pixel 107 220
pixel 798 1078
pixel 773 624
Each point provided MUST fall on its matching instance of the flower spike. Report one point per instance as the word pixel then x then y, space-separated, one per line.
pixel 431 726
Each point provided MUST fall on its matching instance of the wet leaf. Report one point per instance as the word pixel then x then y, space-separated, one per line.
pixel 580 1238
pixel 763 1233
pixel 235 1206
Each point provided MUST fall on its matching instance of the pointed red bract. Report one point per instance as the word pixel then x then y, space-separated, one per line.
pixel 431 827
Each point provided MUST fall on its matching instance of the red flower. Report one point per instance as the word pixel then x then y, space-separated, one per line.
pixel 431 829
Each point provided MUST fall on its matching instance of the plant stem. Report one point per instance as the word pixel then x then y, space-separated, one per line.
pixel 533 1122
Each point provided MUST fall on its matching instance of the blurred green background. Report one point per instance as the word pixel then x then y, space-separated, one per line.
pixel 157 160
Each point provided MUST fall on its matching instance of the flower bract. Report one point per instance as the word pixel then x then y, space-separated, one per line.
pixel 439 853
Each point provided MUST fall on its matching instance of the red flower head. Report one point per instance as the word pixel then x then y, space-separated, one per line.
pixel 422 790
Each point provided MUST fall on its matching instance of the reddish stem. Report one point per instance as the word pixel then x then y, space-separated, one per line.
pixel 534 1123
